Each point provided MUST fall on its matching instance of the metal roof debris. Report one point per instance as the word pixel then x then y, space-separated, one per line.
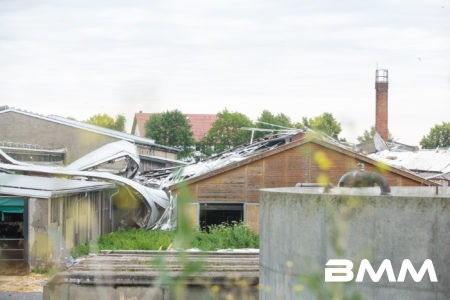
pixel 429 164
pixel 154 199
pixel 46 187
pixel 169 177
pixel 120 150
pixel 222 160
pixel 8 159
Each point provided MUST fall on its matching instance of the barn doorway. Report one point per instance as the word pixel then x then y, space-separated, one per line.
pixel 12 243
pixel 220 213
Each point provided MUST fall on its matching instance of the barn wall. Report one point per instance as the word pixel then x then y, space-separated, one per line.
pixel 307 163
pixel 20 128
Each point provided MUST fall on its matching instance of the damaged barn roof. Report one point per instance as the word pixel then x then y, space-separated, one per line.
pixel 153 198
pixel 427 163
pixel 104 154
pixel 46 187
pixel 226 158
pixel 120 150
pixel 8 159
pixel 251 152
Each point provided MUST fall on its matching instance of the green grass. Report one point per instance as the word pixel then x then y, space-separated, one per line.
pixel 233 236
pixel 48 271
pixel 218 237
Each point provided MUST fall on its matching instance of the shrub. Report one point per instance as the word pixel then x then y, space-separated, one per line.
pixel 224 236
pixel 233 236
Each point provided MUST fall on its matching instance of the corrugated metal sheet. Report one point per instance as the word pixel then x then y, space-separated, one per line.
pixel 421 161
pixel 151 196
pixel 106 153
pixel 46 187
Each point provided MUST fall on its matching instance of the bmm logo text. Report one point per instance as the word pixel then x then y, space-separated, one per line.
pixel 340 270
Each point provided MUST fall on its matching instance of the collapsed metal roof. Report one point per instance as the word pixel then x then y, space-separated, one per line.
pixel 108 153
pixel 224 159
pixel 46 187
pixel 170 177
pixel 153 198
pixel 427 163
pixel 8 159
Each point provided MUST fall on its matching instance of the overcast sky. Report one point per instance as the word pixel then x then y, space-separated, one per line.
pixel 302 58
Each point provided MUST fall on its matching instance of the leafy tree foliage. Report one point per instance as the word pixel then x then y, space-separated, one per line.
pixel 439 136
pixel 324 123
pixel 119 123
pixel 106 121
pixel 367 135
pixel 225 132
pixel 171 128
pixel 267 118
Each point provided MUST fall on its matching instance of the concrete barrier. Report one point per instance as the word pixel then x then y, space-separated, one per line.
pixel 301 229
pixel 159 275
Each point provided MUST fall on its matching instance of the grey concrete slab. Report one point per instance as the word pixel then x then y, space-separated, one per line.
pixel 307 227
pixel 21 296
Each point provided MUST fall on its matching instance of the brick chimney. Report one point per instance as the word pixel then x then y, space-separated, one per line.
pixel 381 117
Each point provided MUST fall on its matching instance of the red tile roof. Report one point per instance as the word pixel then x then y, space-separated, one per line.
pixel 200 124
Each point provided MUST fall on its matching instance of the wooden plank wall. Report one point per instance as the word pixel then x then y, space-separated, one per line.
pixel 302 164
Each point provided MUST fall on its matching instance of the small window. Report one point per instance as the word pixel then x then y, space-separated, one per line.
pixel 220 213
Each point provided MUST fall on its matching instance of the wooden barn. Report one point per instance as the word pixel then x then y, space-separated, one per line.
pixel 227 187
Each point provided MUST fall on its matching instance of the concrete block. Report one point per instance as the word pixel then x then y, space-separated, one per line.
pixel 303 229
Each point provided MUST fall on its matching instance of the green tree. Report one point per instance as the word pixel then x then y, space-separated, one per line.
pixel 439 136
pixel 171 128
pixel 324 123
pixel 367 136
pixel 106 121
pixel 267 118
pixel 225 132
pixel 119 123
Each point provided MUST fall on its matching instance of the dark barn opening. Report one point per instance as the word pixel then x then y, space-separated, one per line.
pixel 216 214
pixel 12 241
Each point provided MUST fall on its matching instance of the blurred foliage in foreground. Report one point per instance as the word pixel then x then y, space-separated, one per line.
pixel 232 236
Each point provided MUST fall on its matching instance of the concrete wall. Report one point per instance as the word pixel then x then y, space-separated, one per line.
pixel 38 247
pixel 302 228
pixel 155 275
pixel 20 128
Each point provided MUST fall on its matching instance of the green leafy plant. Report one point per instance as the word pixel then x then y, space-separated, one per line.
pixel 234 236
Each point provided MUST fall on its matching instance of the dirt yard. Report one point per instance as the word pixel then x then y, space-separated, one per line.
pixel 25 283
pixel 15 278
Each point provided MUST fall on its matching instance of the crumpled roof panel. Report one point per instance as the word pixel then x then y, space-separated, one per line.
pixel 422 160
pixel 222 160
pixel 104 154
